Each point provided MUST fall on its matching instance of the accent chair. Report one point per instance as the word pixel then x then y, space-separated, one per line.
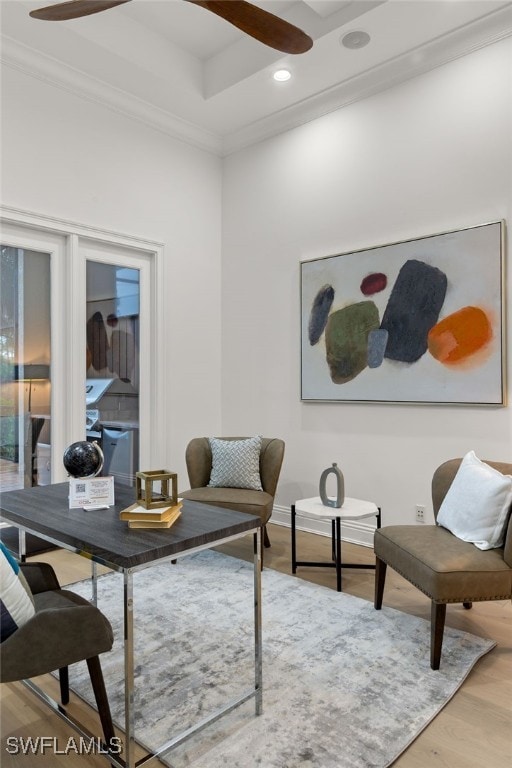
pixel 64 629
pixel 198 458
pixel 442 565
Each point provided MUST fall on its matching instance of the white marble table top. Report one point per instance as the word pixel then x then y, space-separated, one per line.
pixel 351 509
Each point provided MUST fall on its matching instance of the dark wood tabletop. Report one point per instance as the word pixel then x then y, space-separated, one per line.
pixel 44 511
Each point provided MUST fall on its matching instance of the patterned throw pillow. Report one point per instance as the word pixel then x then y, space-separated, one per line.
pixel 236 463
pixel 16 602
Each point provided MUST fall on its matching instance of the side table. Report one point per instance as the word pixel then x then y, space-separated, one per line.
pixel 352 509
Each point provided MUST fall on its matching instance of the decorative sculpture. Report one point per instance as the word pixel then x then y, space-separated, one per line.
pixel 340 487
pixel 147 498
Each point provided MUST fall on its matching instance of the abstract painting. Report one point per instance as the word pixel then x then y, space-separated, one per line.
pixel 418 321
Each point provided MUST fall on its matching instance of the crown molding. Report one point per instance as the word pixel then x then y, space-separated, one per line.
pixel 18 56
pixel 490 29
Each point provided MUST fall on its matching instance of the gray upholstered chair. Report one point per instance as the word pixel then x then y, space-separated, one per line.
pixel 198 457
pixel 65 629
pixel 445 568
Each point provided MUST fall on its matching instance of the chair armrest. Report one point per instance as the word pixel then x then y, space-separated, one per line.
pixel 40 577
pixel 198 457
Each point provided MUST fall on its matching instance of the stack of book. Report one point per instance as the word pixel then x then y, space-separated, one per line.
pixel 140 517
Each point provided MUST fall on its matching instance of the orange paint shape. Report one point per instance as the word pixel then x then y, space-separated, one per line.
pixel 458 336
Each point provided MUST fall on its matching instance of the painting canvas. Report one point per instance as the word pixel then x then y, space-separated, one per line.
pixel 418 321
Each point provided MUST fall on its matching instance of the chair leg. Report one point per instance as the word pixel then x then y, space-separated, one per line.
pixel 437 618
pixel 380 578
pixel 266 540
pixel 64 685
pixel 100 694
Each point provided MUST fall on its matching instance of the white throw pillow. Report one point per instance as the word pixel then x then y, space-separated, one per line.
pixel 15 596
pixel 477 504
pixel 236 463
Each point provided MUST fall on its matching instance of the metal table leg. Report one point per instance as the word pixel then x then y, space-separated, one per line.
pixel 129 714
pixel 335 561
pixel 258 654
pixel 22 545
pixel 338 554
pixel 294 543
pixel 94 582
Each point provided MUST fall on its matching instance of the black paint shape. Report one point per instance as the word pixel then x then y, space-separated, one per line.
pixel 412 310
pixel 319 313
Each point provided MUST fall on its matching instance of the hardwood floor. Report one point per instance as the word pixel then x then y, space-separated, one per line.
pixel 474 730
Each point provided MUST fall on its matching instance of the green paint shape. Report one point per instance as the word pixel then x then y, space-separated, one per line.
pixel 346 339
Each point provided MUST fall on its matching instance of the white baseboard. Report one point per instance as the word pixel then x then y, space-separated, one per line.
pixel 351 531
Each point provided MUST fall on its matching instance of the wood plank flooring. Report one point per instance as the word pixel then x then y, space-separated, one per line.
pixel 474 730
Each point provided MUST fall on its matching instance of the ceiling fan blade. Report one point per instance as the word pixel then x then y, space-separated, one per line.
pixel 74 9
pixel 262 25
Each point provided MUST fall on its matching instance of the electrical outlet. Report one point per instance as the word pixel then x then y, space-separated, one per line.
pixel 420 513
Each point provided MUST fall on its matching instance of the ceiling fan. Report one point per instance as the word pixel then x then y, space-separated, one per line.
pixel 254 21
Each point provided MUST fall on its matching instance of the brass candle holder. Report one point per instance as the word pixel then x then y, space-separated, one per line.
pixel 146 495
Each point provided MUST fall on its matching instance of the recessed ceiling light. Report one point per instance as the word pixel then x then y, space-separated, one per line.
pixel 356 39
pixel 282 75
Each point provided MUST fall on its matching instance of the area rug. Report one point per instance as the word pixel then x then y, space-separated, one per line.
pixel 344 685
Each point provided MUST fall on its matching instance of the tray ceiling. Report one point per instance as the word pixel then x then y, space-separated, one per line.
pixel 190 73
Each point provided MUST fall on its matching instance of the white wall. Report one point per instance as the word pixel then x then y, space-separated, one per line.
pixel 67 157
pixel 431 155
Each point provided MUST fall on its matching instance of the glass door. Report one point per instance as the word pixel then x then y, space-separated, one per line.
pixel 112 378
pixel 25 381
pixel 124 412
pixel 80 308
